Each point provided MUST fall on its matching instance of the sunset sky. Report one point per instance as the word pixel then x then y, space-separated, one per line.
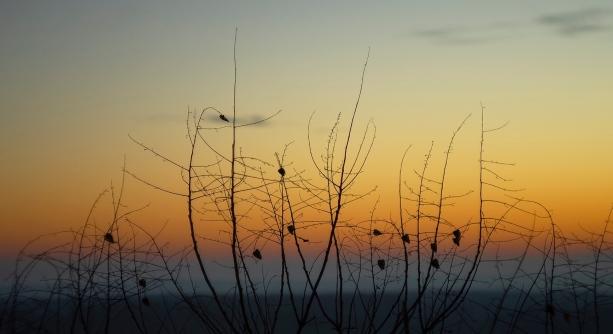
pixel 78 77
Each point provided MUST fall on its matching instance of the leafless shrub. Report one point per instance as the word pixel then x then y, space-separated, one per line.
pixel 287 236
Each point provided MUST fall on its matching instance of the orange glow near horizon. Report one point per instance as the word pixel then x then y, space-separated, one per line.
pixel 78 79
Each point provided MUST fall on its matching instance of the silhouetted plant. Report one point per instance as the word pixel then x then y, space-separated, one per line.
pixel 418 272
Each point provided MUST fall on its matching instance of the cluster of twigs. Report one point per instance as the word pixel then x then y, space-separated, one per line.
pixel 298 263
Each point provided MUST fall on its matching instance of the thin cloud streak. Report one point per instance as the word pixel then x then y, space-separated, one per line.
pixel 254 120
pixel 465 35
pixel 251 119
pixel 580 22
pixel 568 24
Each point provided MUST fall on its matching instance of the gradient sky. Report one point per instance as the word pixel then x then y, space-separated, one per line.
pixel 76 77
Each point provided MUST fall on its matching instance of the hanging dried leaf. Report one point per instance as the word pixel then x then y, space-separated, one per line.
pixel 108 237
pixel 257 254
pixel 456 241
pixel 457 233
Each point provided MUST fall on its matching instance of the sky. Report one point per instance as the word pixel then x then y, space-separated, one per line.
pixel 78 77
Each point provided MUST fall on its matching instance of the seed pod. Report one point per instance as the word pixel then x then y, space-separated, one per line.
pixel 405 238
pixel 291 229
pixel 433 247
pixel 142 282
pixel 381 264
pixel 376 232
pixel 434 263
pixel 281 171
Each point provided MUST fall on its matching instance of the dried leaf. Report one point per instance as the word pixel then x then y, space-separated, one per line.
pixel 257 254
pixel 108 237
pixel 456 240
pixel 457 233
